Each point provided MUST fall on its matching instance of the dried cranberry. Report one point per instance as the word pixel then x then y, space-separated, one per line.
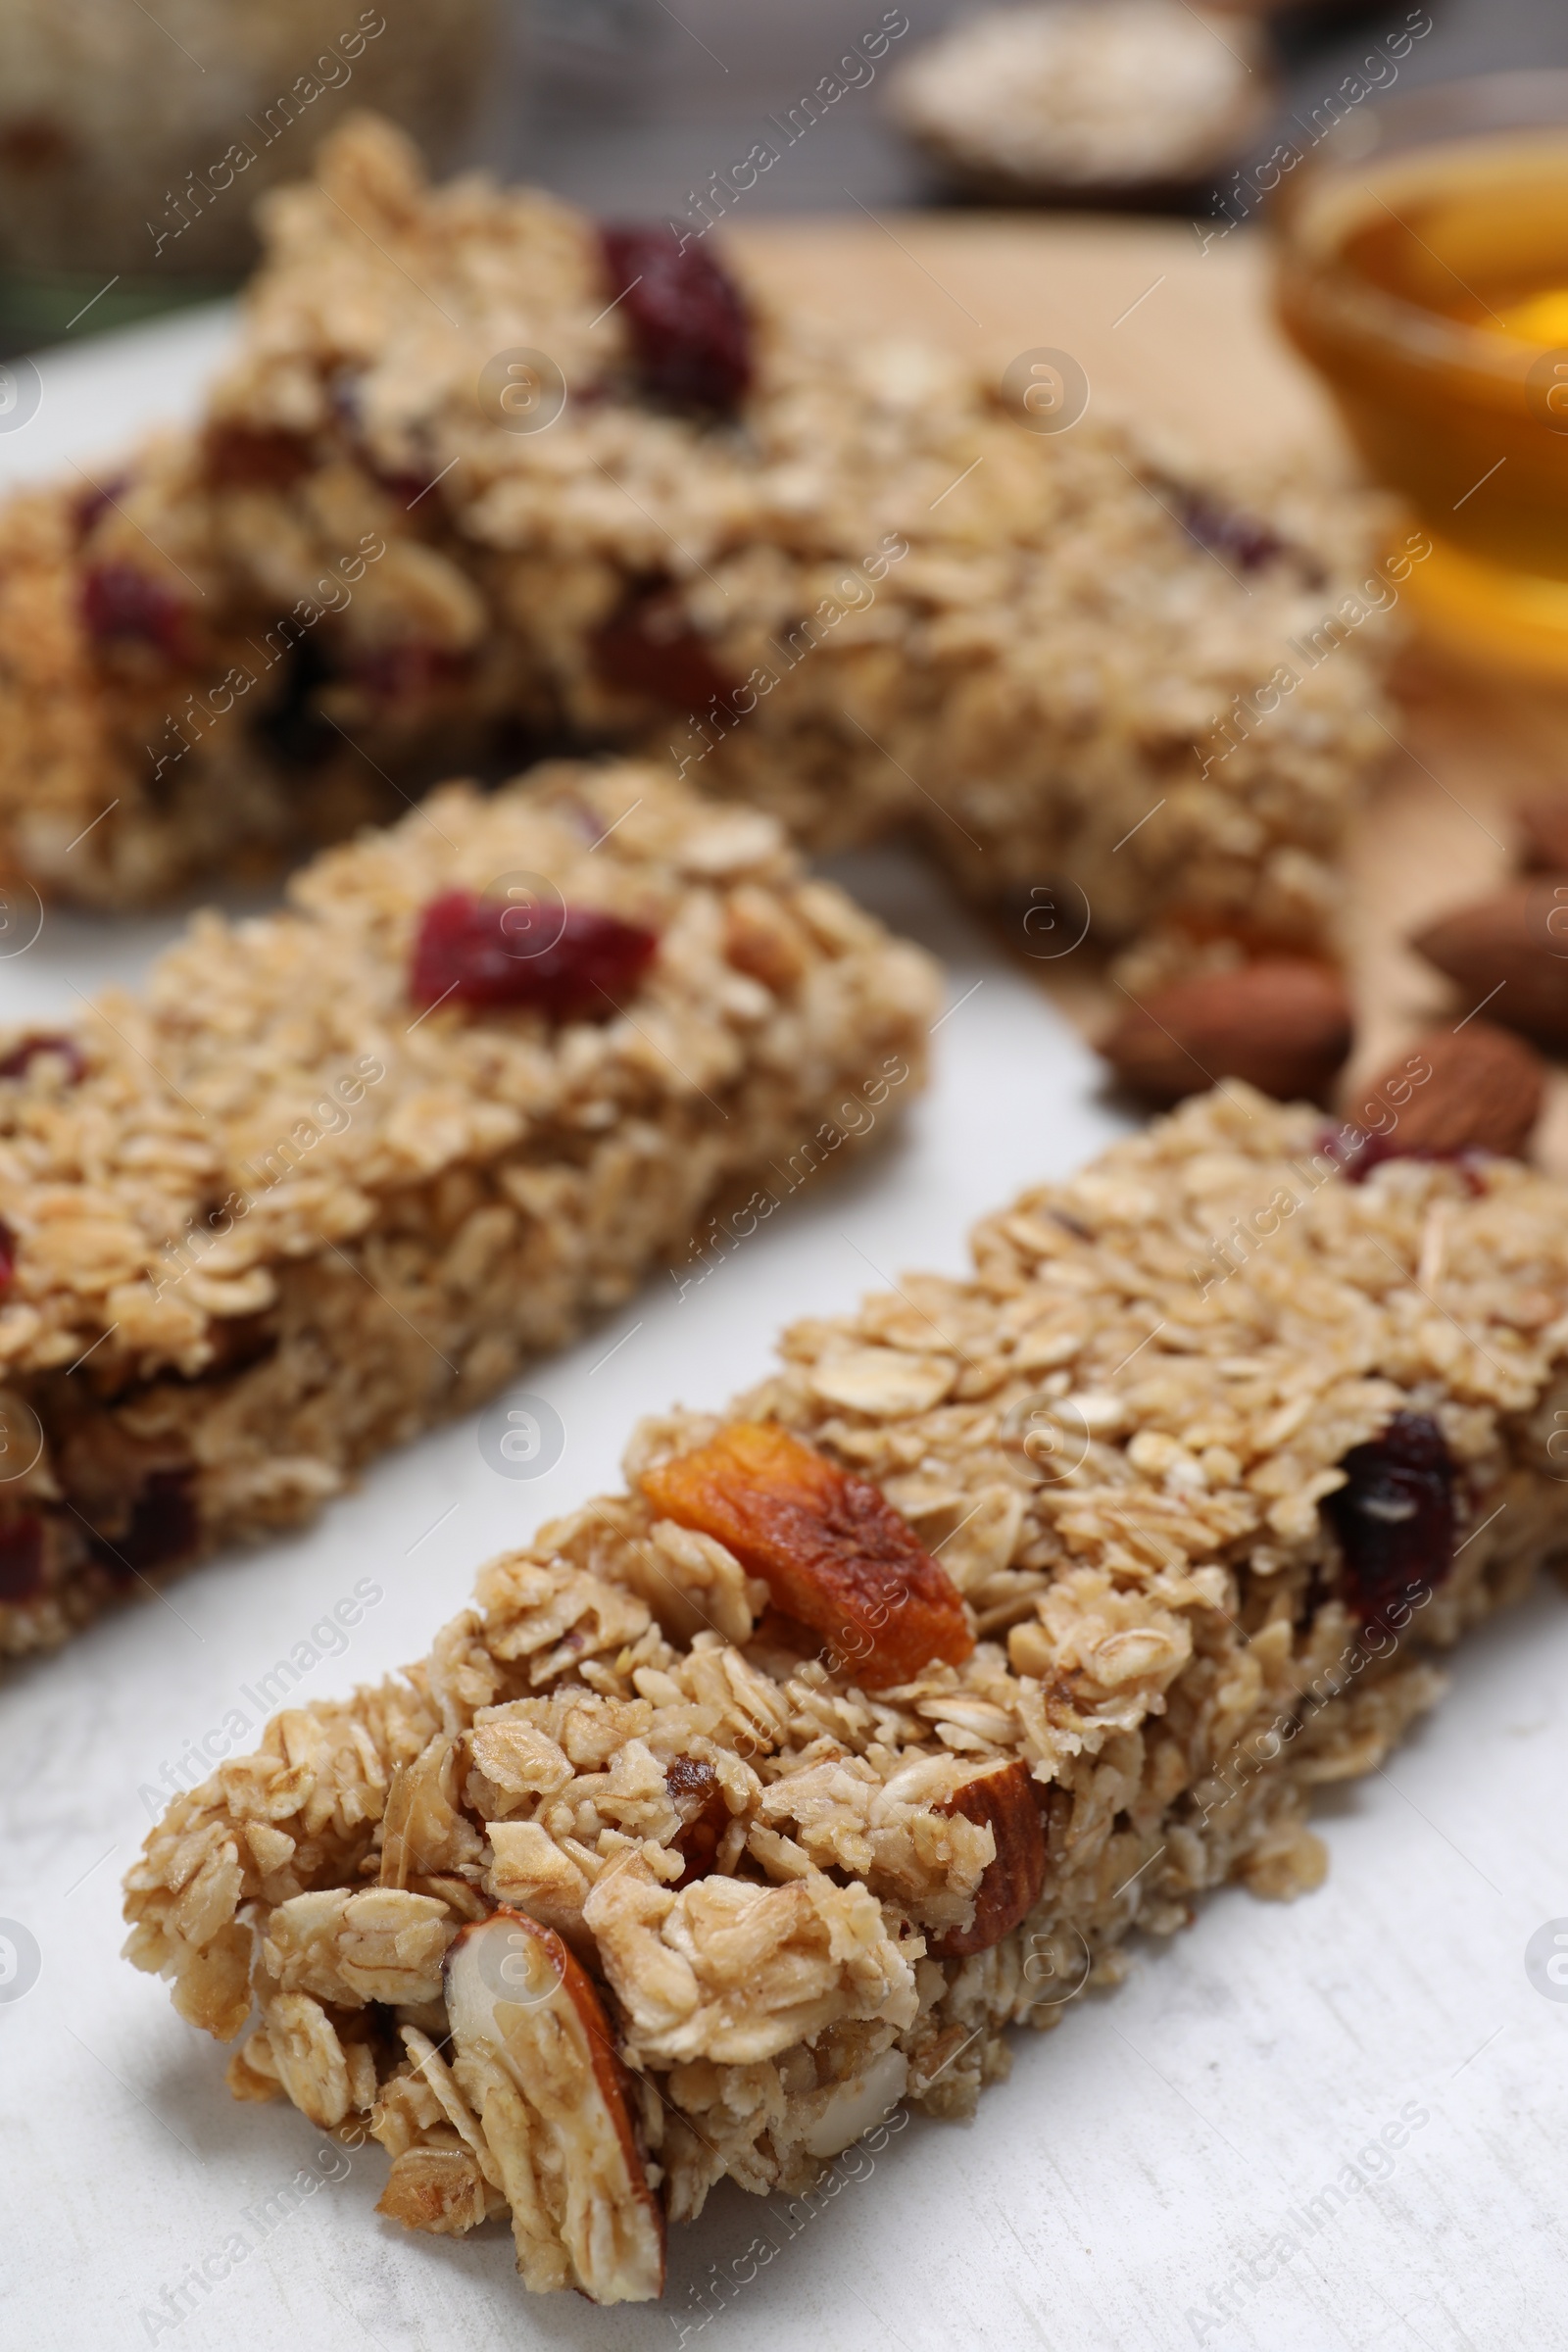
pixel 96 500
pixel 243 457
pixel 400 673
pixel 705 1816
pixel 7 1256
pixel 1360 1155
pixel 650 647
pixel 690 329
pixel 1395 1515
pixel 464 950
pixel 16 1063
pixel 406 487
pixel 119 601
pixel 22 1560
pixel 1242 539
pixel 1357 1154
pixel 163 1526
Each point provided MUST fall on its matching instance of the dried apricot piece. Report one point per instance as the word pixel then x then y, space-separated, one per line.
pixel 831 1549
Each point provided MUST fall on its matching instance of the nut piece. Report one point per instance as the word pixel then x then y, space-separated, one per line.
pixel 1285 1026
pixel 1542 823
pixel 1510 952
pixel 1475 1090
pixel 526 2018
pixel 831 1549
pixel 696 1795
pixel 1003 1797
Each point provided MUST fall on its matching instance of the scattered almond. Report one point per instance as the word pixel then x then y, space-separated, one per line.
pixel 1002 1796
pixel 1509 951
pixel 1542 822
pixel 1282 1025
pixel 1478 1088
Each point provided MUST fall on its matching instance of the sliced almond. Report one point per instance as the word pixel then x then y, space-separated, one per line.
pixel 1000 1797
pixel 517 1999
pixel 846 2111
pixel 1511 953
pixel 1283 1026
pixel 1475 1088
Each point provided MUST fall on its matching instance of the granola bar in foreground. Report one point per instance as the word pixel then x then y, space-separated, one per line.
pixel 339 1171
pixel 1012 1613
pixel 481 466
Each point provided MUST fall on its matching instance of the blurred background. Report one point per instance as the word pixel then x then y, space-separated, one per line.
pixel 134 137
pixel 623 104
pixel 1421 264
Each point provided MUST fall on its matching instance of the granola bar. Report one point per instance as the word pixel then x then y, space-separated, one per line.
pixel 339 1171
pixel 481 468
pixel 1012 1613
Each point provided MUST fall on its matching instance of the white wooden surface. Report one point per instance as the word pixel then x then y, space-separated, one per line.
pixel 1144 2179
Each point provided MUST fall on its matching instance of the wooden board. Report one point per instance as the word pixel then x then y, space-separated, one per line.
pixel 1181 341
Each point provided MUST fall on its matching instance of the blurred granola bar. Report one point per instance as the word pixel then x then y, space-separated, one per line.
pixel 483 473
pixel 339 1171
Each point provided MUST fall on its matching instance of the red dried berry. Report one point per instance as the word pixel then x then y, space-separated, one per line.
pixel 163 1526
pixel 705 1816
pixel 466 949
pixel 18 1062
pixel 1357 1155
pixel 96 500
pixel 22 1558
pixel 1395 1515
pixel 690 329
pixel 650 647
pixel 408 488
pixel 1238 538
pixel 400 673
pixel 7 1256
pixel 118 603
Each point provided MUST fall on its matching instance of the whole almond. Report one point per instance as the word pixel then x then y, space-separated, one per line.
pixel 1509 951
pixel 1476 1089
pixel 1542 822
pixel 1282 1025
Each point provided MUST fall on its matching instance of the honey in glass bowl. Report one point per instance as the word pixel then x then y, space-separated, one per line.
pixel 1424 270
